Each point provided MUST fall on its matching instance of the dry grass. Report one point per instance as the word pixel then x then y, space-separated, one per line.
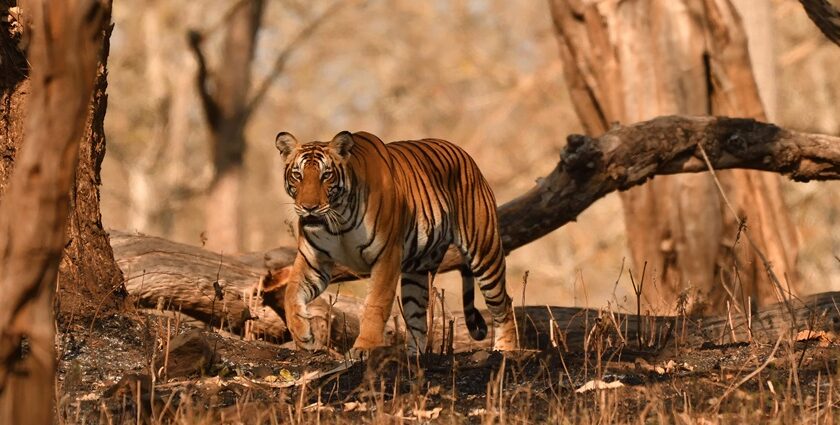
pixel 664 380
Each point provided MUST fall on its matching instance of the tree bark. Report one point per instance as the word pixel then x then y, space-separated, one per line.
pixel 630 61
pixel 66 40
pixel 90 282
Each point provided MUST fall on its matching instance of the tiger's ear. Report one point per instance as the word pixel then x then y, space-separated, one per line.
pixel 285 143
pixel 342 143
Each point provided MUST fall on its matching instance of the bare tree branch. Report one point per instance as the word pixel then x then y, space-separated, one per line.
pixel 825 16
pixel 204 80
pixel 284 56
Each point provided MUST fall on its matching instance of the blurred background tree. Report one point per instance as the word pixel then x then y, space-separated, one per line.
pixel 486 75
pixel 633 61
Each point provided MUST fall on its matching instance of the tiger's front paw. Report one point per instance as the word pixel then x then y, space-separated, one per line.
pixel 363 346
pixel 298 320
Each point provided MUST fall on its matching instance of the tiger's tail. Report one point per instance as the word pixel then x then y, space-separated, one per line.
pixel 474 319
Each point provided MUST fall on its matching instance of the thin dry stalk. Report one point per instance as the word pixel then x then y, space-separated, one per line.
pixel 443 323
pixel 166 355
pixel 430 316
pixel 637 290
pixel 729 321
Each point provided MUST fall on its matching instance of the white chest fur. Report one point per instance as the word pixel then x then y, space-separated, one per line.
pixel 354 249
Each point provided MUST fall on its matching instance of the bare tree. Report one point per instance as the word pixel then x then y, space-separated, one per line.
pixel 685 57
pixel 66 42
pixel 228 105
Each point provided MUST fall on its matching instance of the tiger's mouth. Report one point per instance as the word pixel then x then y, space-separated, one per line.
pixel 312 220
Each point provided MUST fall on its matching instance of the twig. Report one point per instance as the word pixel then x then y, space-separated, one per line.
pixel 638 291
pixel 430 314
pixel 443 323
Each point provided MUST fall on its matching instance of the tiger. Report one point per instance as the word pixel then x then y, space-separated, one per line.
pixel 392 210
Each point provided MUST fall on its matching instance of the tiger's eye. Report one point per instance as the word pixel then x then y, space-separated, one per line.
pixel 327 175
pixel 296 175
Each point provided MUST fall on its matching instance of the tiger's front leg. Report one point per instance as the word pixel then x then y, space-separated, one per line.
pixel 384 275
pixel 308 279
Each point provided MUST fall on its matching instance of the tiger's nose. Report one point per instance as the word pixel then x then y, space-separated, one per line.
pixel 309 207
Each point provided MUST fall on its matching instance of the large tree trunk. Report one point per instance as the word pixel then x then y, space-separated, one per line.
pixel 89 279
pixel 226 110
pixel 66 42
pixel 158 176
pixel 633 60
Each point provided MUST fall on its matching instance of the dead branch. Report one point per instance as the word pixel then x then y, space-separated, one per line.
pixel 630 155
pixel 285 54
pixel 825 16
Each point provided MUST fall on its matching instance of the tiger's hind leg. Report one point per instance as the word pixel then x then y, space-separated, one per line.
pixel 485 261
pixel 414 288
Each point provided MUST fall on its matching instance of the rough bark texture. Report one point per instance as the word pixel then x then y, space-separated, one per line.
pixel 89 280
pixel 631 61
pixel 225 109
pixel 14 86
pixel 66 41
pixel 179 277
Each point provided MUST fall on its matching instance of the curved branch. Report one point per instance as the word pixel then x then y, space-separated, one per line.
pixel 202 79
pixel 284 55
pixel 628 156
pixel 825 16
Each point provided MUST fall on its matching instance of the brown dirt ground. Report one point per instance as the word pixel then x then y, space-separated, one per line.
pixel 104 371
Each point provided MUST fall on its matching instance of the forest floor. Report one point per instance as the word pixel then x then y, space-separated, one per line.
pixel 107 368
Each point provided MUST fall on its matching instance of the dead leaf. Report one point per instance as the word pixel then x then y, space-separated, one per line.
pixel 477 412
pixel 597 384
pixel 480 356
pixel 285 375
pixel 823 338
pixel 428 415
pixel 318 406
pixel 355 406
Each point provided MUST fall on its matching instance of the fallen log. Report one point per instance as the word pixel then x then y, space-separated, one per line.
pixel 218 290
pixel 164 274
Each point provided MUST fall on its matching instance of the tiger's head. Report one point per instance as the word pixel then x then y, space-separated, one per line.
pixel 316 176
